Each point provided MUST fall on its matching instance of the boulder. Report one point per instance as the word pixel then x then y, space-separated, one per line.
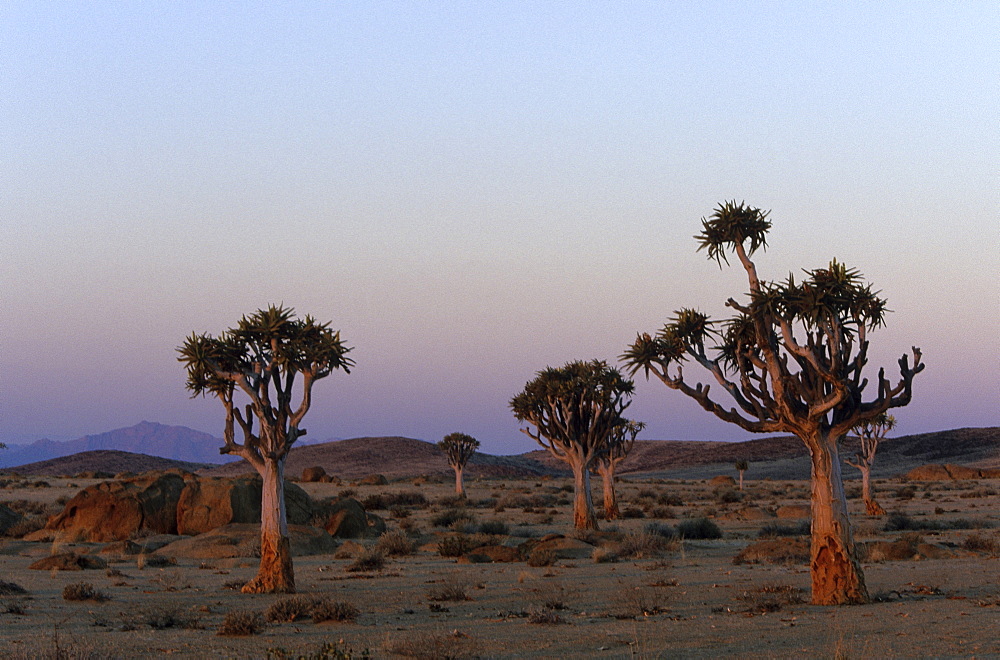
pixel 68 561
pixel 115 510
pixel 563 547
pixel 313 474
pixel 498 553
pixel 8 518
pixel 347 519
pixel 722 480
pixel 374 480
pixel 206 504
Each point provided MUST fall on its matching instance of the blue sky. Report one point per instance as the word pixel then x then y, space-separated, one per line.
pixel 473 191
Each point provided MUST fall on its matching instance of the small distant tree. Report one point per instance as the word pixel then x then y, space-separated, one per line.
pixel 742 466
pixel 792 360
pixel 615 451
pixel 459 448
pixel 575 410
pixel 871 433
pixel 264 358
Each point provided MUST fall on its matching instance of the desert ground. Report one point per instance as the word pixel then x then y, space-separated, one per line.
pixel 635 589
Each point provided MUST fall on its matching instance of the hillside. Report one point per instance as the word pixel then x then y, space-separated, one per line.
pixel 102 460
pixel 393 457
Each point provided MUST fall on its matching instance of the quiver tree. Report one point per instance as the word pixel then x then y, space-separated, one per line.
pixel 742 466
pixel 575 410
pixel 792 360
pixel 870 433
pixel 266 358
pixel 459 448
pixel 615 451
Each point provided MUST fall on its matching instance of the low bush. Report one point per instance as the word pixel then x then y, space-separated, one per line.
pixel 455 545
pixel 163 618
pixel 449 517
pixel 83 591
pixel 775 530
pixel 394 543
pixel 371 559
pixel 289 609
pixel 496 527
pixel 11 589
pixel 241 623
pixel 448 592
pixel 642 545
pixel 328 610
pixel 541 557
pixel 699 528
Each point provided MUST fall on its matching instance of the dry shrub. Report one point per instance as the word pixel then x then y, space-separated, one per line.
pixel 371 559
pixel 328 610
pixel 435 646
pixel 11 589
pixel 629 603
pixel 455 545
pixel 79 591
pixel 699 528
pixel 774 551
pixel 544 616
pixel 541 557
pixel 770 598
pixel 448 593
pixel 394 543
pixel 289 609
pixel 643 545
pixel 26 526
pixel 977 543
pixel 162 618
pixel 777 530
pixel 662 512
pixel 241 623
pixel 604 555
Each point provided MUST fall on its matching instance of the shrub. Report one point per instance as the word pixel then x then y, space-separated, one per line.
pixel 666 531
pixel 406 498
pixel 906 493
pixel 728 496
pixel 374 502
pixel 775 530
pixel 544 617
pixel 632 512
pixel 495 527
pixel 662 512
pixel 454 545
pixel 451 516
pixel 371 559
pixel 240 623
pixel 541 557
pixel 394 543
pixel 11 589
pixel 699 528
pixel 289 609
pixel 642 545
pixel 170 617
pixel 448 592
pixel 669 500
pixel 604 555
pixel 83 591
pixel 26 526
pixel 327 610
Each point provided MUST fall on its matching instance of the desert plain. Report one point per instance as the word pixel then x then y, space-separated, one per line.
pixel 653 584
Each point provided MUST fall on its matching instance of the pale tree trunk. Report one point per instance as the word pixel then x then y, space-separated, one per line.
pixel 741 480
pixel 837 578
pixel 607 472
pixel 583 503
pixel 275 574
pixel 459 481
pixel 872 508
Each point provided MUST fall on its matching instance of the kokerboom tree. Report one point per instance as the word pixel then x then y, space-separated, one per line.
pixel 792 361
pixel 459 448
pixel 615 451
pixel 870 432
pixel 742 465
pixel 575 409
pixel 267 358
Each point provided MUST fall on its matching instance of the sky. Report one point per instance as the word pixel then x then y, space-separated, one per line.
pixel 474 191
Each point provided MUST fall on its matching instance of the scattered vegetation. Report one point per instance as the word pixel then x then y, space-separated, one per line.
pixel 394 543
pixel 698 529
pixel 371 559
pixel 241 623
pixel 81 591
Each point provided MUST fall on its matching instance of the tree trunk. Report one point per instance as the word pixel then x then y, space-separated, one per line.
pixel 459 481
pixel 275 574
pixel 837 578
pixel 872 508
pixel 607 473
pixel 583 503
pixel 741 480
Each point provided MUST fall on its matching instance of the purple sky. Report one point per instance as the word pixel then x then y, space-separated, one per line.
pixel 473 191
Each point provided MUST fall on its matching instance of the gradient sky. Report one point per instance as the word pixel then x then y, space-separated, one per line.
pixel 472 191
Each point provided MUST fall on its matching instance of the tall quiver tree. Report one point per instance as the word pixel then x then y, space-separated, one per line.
pixel 870 432
pixel 615 451
pixel 792 360
pixel 459 448
pixel 266 358
pixel 742 465
pixel 575 410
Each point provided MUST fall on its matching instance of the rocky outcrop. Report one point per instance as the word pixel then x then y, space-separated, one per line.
pixel 206 504
pixel 166 503
pixel 346 519
pixel 313 474
pixel 115 510
pixel 949 472
pixel 8 518
pixel 243 540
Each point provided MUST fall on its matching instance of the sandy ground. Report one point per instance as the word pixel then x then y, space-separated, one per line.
pixel 690 601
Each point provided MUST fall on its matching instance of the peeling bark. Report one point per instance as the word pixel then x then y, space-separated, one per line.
pixel 459 481
pixel 275 574
pixel 583 503
pixel 607 473
pixel 837 578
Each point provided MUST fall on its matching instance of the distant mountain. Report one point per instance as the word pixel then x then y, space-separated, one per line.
pixel 102 460
pixel 173 442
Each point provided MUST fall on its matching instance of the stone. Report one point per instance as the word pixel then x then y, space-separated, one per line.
pixel 347 519
pixel 498 553
pixel 374 480
pixel 243 540
pixel 206 504
pixel 8 518
pixel 313 474
pixel 68 561
pixel 722 480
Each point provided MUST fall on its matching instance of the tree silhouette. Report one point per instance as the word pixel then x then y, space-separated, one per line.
pixel 459 448
pixel 792 360
pixel 575 409
pixel 871 432
pixel 262 358
pixel 615 451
